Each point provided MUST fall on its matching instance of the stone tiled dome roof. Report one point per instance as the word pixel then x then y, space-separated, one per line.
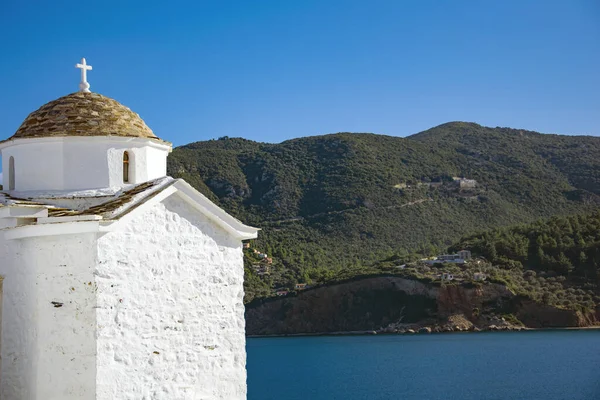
pixel 83 114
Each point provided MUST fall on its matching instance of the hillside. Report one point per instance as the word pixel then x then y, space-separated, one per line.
pixel 561 250
pixel 521 152
pixel 337 203
pixel 544 274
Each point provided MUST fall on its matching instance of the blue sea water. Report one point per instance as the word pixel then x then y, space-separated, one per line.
pixel 549 365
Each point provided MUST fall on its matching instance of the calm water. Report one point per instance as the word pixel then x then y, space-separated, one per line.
pixel 549 365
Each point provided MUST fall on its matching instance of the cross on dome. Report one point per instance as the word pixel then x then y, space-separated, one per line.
pixel 84 86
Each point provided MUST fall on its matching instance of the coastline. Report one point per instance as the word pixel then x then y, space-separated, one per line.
pixel 375 333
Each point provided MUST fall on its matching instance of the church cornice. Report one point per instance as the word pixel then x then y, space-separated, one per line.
pixel 155 143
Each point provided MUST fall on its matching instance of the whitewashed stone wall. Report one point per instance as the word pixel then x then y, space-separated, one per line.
pixel 48 350
pixel 169 311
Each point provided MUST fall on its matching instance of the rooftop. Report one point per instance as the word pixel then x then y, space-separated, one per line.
pixel 114 207
pixel 83 114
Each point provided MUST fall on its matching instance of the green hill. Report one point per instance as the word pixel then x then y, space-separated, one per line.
pixel 566 246
pixel 339 203
pixel 544 274
pixel 516 153
pixel 555 261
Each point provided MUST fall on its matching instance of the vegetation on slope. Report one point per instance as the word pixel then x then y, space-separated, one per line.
pixel 544 293
pixel 518 156
pixel 554 261
pixel 334 205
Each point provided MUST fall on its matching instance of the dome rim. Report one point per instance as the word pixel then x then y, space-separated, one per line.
pixel 41 139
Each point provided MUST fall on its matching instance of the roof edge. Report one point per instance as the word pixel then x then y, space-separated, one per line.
pixel 153 196
pixel 58 138
pixel 216 213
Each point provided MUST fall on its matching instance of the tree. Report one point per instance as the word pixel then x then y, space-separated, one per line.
pixel 564 264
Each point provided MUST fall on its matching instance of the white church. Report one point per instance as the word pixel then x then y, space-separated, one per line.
pixel 116 281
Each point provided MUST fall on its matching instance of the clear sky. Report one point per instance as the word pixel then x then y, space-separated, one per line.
pixel 274 70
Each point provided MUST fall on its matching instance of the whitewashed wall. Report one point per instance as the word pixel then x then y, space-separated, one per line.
pixel 75 163
pixel 48 352
pixel 170 313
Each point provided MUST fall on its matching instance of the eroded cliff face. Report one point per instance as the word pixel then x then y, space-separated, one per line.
pixel 378 302
pixel 536 315
pixel 351 306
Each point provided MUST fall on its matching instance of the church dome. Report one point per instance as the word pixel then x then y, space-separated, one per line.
pixel 83 114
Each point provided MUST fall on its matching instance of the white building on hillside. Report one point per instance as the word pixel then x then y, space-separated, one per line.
pixel 118 281
pixel 460 258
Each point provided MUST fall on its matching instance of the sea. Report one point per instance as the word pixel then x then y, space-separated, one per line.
pixel 548 365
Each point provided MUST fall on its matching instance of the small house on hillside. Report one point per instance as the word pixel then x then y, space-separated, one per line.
pixel 261 269
pixel 464 254
pixel 479 276
pixel 448 257
pixel 467 183
pixel 300 286
pixel 447 277
pixel 459 258
pixel 464 183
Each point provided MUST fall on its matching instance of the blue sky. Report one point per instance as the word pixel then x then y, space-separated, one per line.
pixel 274 70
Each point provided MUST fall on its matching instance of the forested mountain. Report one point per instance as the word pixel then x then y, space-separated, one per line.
pixel 340 202
pixel 517 153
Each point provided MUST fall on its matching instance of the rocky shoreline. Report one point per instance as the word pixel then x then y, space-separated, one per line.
pixel 455 323
pixel 423 330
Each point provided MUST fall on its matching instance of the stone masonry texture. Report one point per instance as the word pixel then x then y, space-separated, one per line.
pixel 170 308
pixel 83 114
